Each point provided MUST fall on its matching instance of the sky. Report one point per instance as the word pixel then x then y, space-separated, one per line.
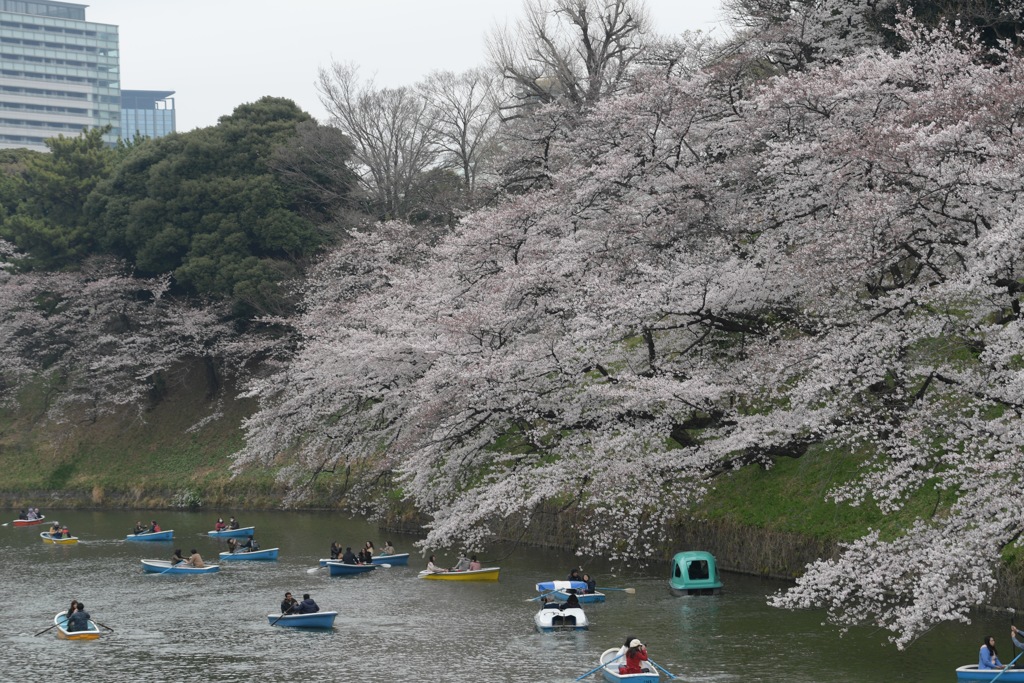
pixel 217 54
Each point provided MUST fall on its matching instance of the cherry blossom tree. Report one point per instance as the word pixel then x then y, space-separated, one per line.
pixel 709 278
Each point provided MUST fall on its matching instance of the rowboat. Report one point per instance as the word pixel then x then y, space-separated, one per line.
pixel 152 536
pixel 485 574
pixel 972 673
pixel 393 560
pixel 314 620
pixel 551 618
pixel 342 569
pixel 611 661
pixel 268 554
pixel 47 538
pixel 61 620
pixel 228 533
pixel 560 591
pixel 29 522
pixel 694 572
pixel 165 567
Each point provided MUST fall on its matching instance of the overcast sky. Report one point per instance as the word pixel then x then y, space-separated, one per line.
pixel 217 54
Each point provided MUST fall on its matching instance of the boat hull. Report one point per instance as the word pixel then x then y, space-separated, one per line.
pixel 485 574
pixel 584 599
pixel 233 533
pixel 394 560
pixel 268 554
pixel 342 569
pixel 972 673
pixel 152 536
pixel 70 541
pixel 314 620
pixel 550 619
pixel 164 567
pixel 610 670
pixel 61 620
pixel 28 522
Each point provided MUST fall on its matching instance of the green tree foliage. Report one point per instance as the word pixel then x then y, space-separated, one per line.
pixel 44 196
pixel 207 207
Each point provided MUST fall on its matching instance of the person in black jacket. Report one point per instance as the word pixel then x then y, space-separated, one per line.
pixel 79 621
pixel 289 605
pixel 349 557
pixel 307 606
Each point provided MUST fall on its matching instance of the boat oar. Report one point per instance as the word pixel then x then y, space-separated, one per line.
pixel 600 666
pixel 670 674
pixel 1006 668
pixel 44 631
pixel 542 595
pixel 281 615
pixel 631 591
pixel 103 625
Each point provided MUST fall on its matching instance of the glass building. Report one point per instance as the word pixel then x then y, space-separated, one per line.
pixel 146 113
pixel 59 74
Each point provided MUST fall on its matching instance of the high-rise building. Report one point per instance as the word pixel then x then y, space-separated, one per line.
pixel 147 113
pixel 59 73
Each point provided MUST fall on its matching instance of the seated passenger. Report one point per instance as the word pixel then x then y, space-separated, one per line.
pixel 79 621
pixel 307 606
pixel 474 564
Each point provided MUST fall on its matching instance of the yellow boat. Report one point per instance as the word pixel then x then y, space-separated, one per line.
pixel 61 621
pixel 47 538
pixel 485 574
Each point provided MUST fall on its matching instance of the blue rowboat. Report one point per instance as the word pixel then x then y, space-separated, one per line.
pixel 61 620
pixel 584 598
pixel 152 536
pixel 611 661
pixel 972 673
pixel 268 554
pixel 559 590
pixel 393 560
pixel 342 569
pixel 694 572
pixel 229 533
pixel 164 567
pixel 314 620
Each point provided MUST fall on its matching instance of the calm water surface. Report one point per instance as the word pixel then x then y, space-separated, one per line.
pixel 394 627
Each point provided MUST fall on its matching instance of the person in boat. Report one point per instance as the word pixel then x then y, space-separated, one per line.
pixel 574 575
pixel 388 549
pixel 232 545
pixel 336 550
pixel 361 557
pixel 79 621
pixel 462 564
pixel 636 654
pixel 308 605
pixel 548 603
pixel 219 526
pixel 195 559
pixel 988 656
pixel 1013 636
pixel 433 568
pixel 33 513
pixel 474 564
pixel 368 551
pixel 349 557
pixel 570 602
pixel 72 609
pixel 177 557
pixel 249 546
pixel 591 583
pixel 140 528
pixel 233 523
pixel 154 528
pixel 23 515
pixel 65 532
pixel 289 604
pixel 55 530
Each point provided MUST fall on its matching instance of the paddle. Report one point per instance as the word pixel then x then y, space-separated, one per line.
pixel 670 675
pixel 173 565
pixel 44 631
pixel 281 615
pixel 542 595
pixel 600 666
pixel 631 591
pixel 103 625
pixel 1007 668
